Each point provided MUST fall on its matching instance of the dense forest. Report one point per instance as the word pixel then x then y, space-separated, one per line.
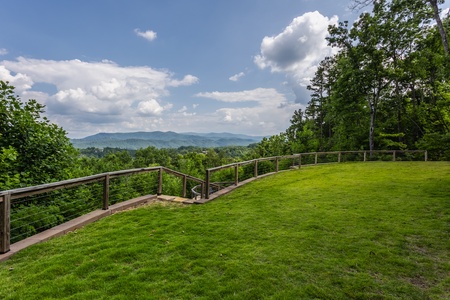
pixel 387 87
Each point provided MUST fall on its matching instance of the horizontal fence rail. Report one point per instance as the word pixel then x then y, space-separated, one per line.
pixel 27 211
pixel 23 210
pixel 297 160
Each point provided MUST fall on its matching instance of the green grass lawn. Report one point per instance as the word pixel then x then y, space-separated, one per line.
pixel 377 230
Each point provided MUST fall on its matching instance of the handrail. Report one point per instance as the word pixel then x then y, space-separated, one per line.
pixel 299 157
pixel 7 197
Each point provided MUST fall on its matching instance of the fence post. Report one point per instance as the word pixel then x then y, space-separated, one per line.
pixel 106 192
pixel 5 227
pixel 339 157
pixel 426 155
pixel 184 185
pixel 365 155
pixel 393 155
pixel 276 164
pixel 207 179
pixel 236 174
pixel 255 171
pixel 299 161
pixel 160 180
pixel 315 159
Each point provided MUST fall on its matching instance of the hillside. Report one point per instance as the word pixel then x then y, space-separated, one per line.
pixel 159 139
pixel 338 231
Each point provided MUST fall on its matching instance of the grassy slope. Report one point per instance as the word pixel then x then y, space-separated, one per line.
pixel 341 231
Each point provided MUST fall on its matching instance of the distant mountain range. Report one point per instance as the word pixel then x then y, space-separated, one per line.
pixel 159 139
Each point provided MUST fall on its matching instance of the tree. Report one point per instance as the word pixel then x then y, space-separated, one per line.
pixel 433 4
pixel 35 150
pixel 386 87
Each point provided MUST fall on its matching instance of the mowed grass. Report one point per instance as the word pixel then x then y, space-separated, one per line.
pixel 377 230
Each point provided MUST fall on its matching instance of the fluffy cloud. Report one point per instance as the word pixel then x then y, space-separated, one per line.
pixel 237 76
pixel 91 96
pixel 149 35
pixel 298 49
pixel 261 95
pixel 187 80
pixel 150 107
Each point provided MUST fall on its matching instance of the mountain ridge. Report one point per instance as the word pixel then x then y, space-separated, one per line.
pixel 161 139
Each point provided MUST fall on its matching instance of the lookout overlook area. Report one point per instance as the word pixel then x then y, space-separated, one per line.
pixel 350 229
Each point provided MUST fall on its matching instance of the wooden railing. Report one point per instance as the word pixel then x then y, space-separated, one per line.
pixel 297 161
pixel 8 198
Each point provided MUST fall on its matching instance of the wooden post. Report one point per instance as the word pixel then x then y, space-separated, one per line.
pixel 160 180
pixel 426 155
pixel 365 155
pixel 315 160
pixel 339 157
pixel 236 174
pixel 5 223
pixel 184 185
pixel 393 155
pixel 106 192
pixel 276 164
pixel 299 161
pixel 207 179
pixel 255 171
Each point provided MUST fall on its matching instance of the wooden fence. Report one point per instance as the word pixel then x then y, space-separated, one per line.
pixel 297 161
pixel 7 198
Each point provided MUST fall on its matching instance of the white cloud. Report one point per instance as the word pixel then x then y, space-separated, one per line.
pixel 187 80
pixel 237 76
pixel 261 95
pixel 149 35
pixel 3 51
pixel 93 96
pixel 445 13
pixel 150 107
pixel 268 112
pixel 299 48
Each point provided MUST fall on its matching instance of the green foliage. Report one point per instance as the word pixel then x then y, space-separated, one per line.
pixel 32 148
pixel 438 145
pixel 9 178
pixel 27 220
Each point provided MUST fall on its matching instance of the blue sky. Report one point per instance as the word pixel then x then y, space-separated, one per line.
pixel 238 66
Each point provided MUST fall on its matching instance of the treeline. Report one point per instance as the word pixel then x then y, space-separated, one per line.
pixel 188 160
pixel 387 87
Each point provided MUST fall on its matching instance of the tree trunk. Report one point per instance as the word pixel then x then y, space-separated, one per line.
pixel 372 128
pixel 439 24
